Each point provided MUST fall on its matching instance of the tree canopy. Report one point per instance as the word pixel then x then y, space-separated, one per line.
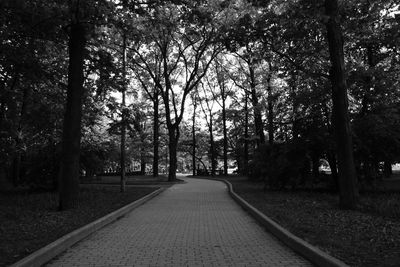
pixel 270 88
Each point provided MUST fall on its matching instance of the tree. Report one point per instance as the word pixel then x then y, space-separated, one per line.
pixel 194 103
pixel 153 94
pixel 347 173
pixel 69 170
pixel 294 47
pixel 209 116
pixel 139 121
pixel 24 89
pixel 224 92
pixel 372 84
pixel 123 114
pixel 79 13
pixel 185 49
pixel 249 63
pixel 239 131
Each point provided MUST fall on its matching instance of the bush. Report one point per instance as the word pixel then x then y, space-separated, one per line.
pixel 280 165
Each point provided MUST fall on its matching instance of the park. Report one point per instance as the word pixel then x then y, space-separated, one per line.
pixel 199 133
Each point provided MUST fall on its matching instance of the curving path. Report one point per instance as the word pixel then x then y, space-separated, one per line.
pixel 192 224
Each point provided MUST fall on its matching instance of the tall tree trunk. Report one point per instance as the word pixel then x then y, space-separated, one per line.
pixel 333 167
pixel 173 146
pixel 246 135
pixel 156 133
pixel 19 140
pixel 221 83
pixel 142 160
pixel 54 163
pixel 194 137
pixel 16 167
pixel 259 129
pixel 69 169
pixel 387 169
pixel 347 173
pixel 270 112
pixel 3 97
pixel 365 106
pixel 123 117
pixel 294 105
pixel 225 133
pixel 3 115
pixel 212 146
pixel 315 165
pixel 366 100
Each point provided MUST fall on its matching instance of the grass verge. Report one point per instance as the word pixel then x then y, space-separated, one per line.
pixel 29 221
pixel 369 236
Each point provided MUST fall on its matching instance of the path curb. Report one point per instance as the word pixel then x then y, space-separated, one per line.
pixel 45 254
pixel 308 251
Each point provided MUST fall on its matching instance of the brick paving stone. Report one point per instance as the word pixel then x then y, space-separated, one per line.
pixel 191 224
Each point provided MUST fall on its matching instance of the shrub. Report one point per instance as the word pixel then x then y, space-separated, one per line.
pixel 280 165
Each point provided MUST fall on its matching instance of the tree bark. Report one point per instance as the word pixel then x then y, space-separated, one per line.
pixel 294 105
pixel 173 146
pixel 16 168
pixel 366 100
pixel 212 146
pixel 142 160
pixel 270 112
pixel 69 170
pixel 333 167
pixel 347 174
pixel 5 95
pixel 156 133
pixel 315 165
pixel 246 136
pixel 194 137
pixel 259 129
pixel 123 117
pixel 225 134
pixel 19 142
pixel 387 169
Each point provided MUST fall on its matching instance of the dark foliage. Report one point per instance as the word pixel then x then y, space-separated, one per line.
pixel 281 165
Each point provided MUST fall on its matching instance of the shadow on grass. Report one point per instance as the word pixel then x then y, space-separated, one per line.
pixel 29 221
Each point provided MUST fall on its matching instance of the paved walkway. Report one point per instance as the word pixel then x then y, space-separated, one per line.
pixel 192 224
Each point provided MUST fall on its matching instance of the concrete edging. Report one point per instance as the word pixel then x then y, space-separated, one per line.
pixel 48 252
pixel 308 251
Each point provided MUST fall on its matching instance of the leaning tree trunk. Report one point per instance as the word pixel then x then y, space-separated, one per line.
pixel 69 171
pixel 347 174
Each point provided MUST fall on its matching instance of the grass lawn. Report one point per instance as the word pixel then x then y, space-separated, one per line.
pixel 369 236
pixel 29 221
